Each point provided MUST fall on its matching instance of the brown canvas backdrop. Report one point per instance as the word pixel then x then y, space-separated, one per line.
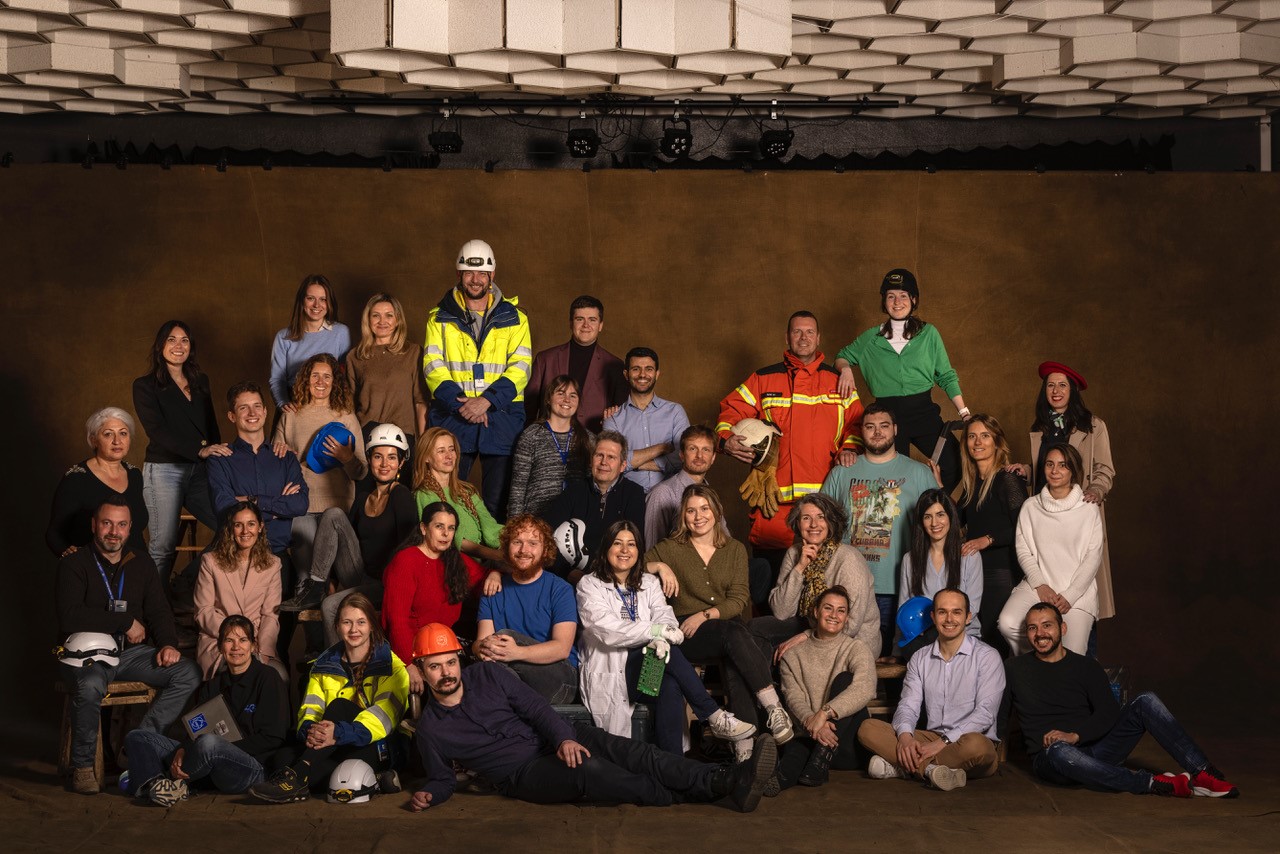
pixel 1156 287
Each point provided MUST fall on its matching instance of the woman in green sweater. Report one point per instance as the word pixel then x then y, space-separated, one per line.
pixel 902 360
pixel 435 478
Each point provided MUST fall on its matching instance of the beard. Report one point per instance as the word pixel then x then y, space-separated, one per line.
pixel 879 449
pixel 523 575
pixel 445 687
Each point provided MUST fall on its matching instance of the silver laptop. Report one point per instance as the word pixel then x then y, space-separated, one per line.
pixel 212 717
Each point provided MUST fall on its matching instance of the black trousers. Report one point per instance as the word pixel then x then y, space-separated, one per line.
pixel 920 423
pixel 317 765
pixel 619 771
pixel 743 657
pixel 850 754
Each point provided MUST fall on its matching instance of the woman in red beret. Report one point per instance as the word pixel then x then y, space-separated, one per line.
pixel 1061 416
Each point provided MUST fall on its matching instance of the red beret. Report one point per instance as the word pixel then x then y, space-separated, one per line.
pixel 1047 368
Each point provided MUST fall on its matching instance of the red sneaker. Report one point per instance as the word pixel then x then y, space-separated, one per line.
pixel 1206 785
pixel 1171 785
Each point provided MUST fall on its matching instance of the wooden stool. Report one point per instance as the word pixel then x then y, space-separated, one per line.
pixel 881 707
pixel 187 526
pixel 118 694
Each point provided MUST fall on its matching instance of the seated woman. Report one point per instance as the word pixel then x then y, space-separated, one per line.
pixel 935 561
pixel 161 769
pixel 1060 550
pixel 623 613
pixel 704 572
pixel 321 395
pixel 90 482
pixel 818 560
pixel 990 500
pixel 427 581
pixel 357 693
pixel 828 683
pixel 352 549
pixel 550 451
pixel 435 478
pixel 238 575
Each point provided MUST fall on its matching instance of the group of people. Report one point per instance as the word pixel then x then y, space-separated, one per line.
pixel 595 562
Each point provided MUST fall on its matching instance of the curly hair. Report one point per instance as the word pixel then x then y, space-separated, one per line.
pixel 339 395
pixel 224 542
pixel 837 521
pixel 518 523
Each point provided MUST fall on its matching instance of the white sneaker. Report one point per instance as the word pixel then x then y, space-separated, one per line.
pixel 879 769
pixel 945 779
pixel 742 750
pixel 779 723
pixel 724 725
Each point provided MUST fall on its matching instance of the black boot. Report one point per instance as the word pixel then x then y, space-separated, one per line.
pixel 817 770
pixel 310 594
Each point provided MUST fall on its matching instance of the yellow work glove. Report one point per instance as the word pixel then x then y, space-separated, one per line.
pixel 760 489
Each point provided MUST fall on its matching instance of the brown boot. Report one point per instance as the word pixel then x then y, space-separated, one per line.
pixel 84 781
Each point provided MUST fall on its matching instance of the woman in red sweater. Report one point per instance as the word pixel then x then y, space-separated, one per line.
pixel 426 582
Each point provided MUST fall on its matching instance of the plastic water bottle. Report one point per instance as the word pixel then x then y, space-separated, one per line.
pixel 124 782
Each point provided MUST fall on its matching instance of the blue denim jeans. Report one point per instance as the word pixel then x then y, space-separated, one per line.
pixel 887 604
pixel 680 682
pixel 229 768
pixel 137 664
pixel 1098 765
pixel 166 489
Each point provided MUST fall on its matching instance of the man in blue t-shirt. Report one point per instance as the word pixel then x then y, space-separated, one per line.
pixel 879 492
pixel 530 625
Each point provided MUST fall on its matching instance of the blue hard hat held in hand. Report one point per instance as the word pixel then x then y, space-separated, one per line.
pixel 320 460
pixel 913 618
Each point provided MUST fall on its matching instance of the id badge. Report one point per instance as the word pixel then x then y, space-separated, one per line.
pixel 477 376
pixel 118 606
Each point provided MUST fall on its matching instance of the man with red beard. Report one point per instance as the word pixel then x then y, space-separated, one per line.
pixel 487 720
pixel 530 625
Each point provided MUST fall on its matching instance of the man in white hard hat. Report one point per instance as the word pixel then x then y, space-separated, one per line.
pixel 476 361
pixel 819 429
pixel 111 589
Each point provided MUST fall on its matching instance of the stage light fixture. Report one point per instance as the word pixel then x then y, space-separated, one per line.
pixel 222 164
pixel 775 143
pixel 677 138
pixel 583 142
pixel 7 160
pixel 445 141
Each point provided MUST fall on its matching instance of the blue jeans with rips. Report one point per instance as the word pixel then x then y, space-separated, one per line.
pixel 1098 765
pixel 228 767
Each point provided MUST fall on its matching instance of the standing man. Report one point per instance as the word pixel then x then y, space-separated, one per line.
pixel 476 361
pixel 878 492
pixel 662 505
pixel 958 681
pixel 109 590
pixel 819 428
pixel 598 373
pixel 599 501
pixel 651 424
pixel 1076 732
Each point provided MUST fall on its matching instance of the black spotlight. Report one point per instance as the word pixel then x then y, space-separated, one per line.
pixel 677 138
pixel 583 142
pixel 776 143
pixel 267 165
pixel 7 160
pixel 166 162
pixel 387 164
pixel 222 164
pixel 122 162
pixel 445 141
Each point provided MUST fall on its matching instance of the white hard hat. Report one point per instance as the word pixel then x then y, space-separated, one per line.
pixel 387 434
pixel 476 255
pixel 352 782
pixel 758 435
pixel 569 537
pixel 82 649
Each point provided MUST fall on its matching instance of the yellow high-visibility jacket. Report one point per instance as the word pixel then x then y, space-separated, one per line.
pixel 383 697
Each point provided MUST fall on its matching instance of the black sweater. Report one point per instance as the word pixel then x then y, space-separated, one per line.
pixel 78 494
pixel 81 597
pixel 996 518
pixel 177 428
pixel 581 500
pixel 381 537
pixel 257 699
pixel 1072 695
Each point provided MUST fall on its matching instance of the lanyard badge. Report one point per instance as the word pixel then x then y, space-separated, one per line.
pixel 116 604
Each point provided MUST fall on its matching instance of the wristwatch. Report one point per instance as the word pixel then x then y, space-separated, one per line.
pixel 830 713
pixel 943 736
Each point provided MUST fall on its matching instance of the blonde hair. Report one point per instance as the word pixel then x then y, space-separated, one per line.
pixel 682 534
pixel 457 489
pixel 398 338
pixel 969 469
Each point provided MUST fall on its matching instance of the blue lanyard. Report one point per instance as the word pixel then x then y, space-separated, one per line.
pixel 630 601
pixel 107 584
pixel 563 452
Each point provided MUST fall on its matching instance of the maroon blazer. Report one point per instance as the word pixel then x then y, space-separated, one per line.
pixel 606 385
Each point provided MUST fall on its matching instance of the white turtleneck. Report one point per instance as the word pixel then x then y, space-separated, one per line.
pixel 897 341
pixel 1059 543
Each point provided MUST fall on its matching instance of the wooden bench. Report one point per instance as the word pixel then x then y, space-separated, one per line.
pixel 118 694
pixel 880 705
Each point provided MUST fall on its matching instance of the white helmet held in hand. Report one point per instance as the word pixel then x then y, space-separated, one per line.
pixel 82 649
pixel 758 435
pixel 476 255
pixel 569 536
pixel 352 782
pixel 389 435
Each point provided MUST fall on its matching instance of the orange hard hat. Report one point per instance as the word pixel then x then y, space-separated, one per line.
pixel 434 639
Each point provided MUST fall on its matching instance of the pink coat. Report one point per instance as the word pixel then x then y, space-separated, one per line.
pixel 219 594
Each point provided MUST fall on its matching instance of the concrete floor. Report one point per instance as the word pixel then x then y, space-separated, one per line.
pixel 1010 812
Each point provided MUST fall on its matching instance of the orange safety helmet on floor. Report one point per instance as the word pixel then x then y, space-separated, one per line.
pixel 434 639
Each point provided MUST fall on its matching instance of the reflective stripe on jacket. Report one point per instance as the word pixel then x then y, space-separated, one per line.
pixel 385 692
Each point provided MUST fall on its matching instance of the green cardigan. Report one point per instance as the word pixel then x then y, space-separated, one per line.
pixel 921 364
pixel 479 527
pixel 721 584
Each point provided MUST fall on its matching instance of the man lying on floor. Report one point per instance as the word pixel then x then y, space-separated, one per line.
pixel 485 718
